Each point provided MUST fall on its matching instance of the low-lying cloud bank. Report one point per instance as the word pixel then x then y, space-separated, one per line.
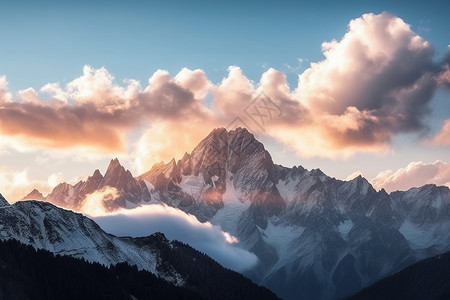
pixel 375 82
pixel 177 225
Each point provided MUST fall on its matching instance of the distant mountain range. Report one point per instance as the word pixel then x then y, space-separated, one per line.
pixel 316 237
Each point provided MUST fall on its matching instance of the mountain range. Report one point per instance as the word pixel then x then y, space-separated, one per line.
pixel 316 237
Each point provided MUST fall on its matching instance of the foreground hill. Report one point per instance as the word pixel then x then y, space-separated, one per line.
pixel 45 226
pixel 28 273
pixel 427 279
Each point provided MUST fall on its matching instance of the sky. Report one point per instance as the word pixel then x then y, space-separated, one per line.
pixel 355 87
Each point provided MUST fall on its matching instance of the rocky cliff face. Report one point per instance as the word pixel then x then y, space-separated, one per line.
pixel 3 201
pixel 199 181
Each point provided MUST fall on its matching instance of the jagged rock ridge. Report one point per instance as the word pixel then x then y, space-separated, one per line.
pixel 131 190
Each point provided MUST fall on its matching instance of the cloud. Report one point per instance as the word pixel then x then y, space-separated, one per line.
pixel 353 175
pixel 177 225
pixel 14 185
pixel 92 111
pixel 443 137
pixel 93 204
pixel 374 83
pixel 233 93
pixel 5 95
pixel 163 141
pixel 444 77
pixel 415 174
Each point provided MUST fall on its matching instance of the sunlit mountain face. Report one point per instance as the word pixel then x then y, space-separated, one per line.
pixel 302 145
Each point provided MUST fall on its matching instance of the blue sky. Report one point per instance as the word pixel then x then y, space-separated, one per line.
pixel 51 42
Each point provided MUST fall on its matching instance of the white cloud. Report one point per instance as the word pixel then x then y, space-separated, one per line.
pixel 353 175
pixel 56 91
pixel 5 95
pixel 232 94
pixel 93 204
pixel 415 174
pixel 177 225
pixel 374 83
pixel 14 185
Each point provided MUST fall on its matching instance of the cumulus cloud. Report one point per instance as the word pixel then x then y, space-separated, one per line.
pixel 415 174
pixel 14 185
pixel 233 93
pixel 374 83
pixel 177 225
pixel 99 113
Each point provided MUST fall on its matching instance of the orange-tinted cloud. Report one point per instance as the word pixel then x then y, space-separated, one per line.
pixel 443 137
pixel 99 113
pixel 14 185
pixel 374 83
pixel 415 174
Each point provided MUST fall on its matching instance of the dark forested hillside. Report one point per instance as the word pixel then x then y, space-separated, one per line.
pixel 203 274
pixel 26 273
pixel 427 279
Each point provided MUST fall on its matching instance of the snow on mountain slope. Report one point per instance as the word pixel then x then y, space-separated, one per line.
pixel 235 203
pixel 45 226
pixel 426 211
